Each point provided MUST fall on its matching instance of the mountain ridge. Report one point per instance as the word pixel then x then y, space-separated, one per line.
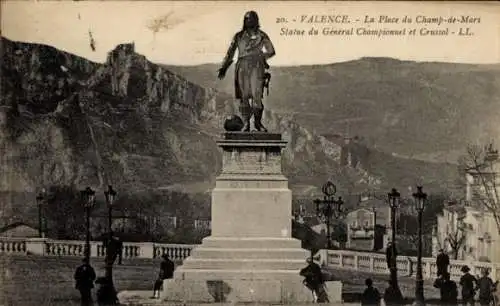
pixel 403 107
pixel 128 122
pixel 140 127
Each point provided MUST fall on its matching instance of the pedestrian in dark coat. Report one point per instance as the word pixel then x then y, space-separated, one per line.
pixel 84 278
pixel 485 286
pixel 448 289
pixel 468 283
pixel 390 257
pixel 314 281
pixel 167 268
pixel 392 295
pixel 442 263
pixel 371 296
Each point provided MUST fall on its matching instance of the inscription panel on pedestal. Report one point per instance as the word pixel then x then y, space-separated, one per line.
pixel 254 160
pixel 277 183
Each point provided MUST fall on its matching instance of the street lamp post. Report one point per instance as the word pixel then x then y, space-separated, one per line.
pixel 40 198
pixel 110 198
pixel 110 249
pixel 88 197
pixel 394 197
pixel 329 207
pixel 420 198
pixel 374 210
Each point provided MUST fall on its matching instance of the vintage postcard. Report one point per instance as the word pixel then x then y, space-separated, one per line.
pixel 277 152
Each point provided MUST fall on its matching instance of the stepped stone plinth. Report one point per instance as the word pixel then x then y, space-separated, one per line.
pixel 250 255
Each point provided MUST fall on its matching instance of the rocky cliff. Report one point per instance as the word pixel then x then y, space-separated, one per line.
pixel 420 110
pixel 129 123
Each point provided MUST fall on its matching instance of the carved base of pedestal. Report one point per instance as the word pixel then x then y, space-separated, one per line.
pixel 236 290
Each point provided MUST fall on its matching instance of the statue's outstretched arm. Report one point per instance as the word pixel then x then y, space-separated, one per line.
pixel 228 59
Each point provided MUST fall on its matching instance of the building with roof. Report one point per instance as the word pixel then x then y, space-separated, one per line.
pixel 469 222
pixel 468 231
pixel 19 230
pixel 369 226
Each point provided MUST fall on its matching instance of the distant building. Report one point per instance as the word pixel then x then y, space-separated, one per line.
pixel 369 226
pixel 469 231
pixel 19 230
pixel 469 220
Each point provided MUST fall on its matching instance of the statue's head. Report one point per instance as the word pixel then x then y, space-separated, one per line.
pixel 251 20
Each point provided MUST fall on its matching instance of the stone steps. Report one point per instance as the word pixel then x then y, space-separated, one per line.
pixel 235 253
pixel 242 274
pixel 244 264
pixel 250 243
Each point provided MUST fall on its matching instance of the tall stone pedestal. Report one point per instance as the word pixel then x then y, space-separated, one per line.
pixel 250 256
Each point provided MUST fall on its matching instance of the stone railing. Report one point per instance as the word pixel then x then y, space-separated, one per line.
pixel 50 247
pixel 338 259
pixel 407 265
pixel 12 245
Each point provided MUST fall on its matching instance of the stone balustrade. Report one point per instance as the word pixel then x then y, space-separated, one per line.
pixel 12 245
pixel 51 247
pixel 407 265
pixel 338 259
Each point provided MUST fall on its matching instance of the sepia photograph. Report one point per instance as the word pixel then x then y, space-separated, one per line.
pixel 249 153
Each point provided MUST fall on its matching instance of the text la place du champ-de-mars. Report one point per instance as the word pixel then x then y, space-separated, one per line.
pixel 429 26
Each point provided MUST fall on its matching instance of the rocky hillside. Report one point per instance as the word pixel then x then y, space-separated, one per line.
pixel 129 123
pixel 421 110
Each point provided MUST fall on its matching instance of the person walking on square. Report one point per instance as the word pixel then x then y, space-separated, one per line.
pixel 391 295
pixel 371 296
pixel 442 263
pixel 314 281
pixel 468 283
pixel 85 277
pixel 167 268
pixel 448 289
pixel 485 286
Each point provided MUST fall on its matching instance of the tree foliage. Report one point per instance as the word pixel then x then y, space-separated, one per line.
pixel 64 212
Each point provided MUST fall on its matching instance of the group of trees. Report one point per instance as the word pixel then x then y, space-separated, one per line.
pixel 142 216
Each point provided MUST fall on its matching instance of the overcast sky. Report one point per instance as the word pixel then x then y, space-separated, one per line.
pixel 200 32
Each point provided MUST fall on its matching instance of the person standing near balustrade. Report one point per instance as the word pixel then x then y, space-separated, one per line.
pixel 371 296
pixel 442 263
pixel 468 283
pixel 485 286
pixel 167 268
pixel 389 256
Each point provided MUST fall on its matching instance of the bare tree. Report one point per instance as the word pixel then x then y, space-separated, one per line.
pixel 456 240
pixel 479 164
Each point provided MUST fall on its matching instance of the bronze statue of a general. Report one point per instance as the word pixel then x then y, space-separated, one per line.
pixel 250 77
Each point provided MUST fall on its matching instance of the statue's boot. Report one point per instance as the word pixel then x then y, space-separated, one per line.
pixel 257 116
pixel 245 116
